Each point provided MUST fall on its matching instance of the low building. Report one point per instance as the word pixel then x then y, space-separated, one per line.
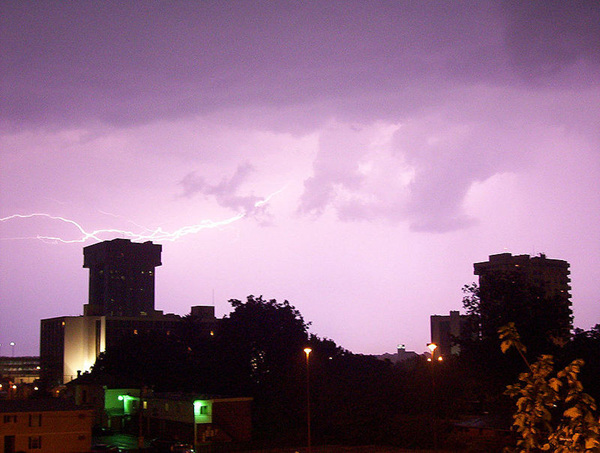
pixel 198 419
pixel 401 355
pixel 21 370
pixel 44 426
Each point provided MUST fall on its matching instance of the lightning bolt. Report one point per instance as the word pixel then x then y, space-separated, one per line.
pixel 158 234
pixel 264 201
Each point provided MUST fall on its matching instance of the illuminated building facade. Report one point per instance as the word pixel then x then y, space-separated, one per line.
pixel 44 425
pixel 121 303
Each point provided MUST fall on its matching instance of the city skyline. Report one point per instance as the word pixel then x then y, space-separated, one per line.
pixel 353 158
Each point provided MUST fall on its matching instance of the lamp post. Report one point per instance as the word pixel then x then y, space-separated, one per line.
pixel 12 345
pixel 432 347
pixel 307 351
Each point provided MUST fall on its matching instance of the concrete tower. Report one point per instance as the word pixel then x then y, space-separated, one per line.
pixel 121 277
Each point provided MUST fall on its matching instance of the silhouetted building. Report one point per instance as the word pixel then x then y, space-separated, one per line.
pixel 121 277
pixel 531 291
pixel 445 330
pixel 121 303
pixel 400 356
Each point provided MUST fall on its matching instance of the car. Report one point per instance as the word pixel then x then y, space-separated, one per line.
pixel 170 446
pixel 182 448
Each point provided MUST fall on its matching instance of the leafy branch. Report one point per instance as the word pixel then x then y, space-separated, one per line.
pixel 553 413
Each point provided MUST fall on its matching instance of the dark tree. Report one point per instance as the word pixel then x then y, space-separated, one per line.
pixel 259 348
pixel 156 360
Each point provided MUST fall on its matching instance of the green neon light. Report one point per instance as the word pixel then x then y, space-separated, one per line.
pixel 202 411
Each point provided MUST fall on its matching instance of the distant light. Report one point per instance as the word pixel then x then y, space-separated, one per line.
pixel 35 388
pixel 440 358
pixel 14 386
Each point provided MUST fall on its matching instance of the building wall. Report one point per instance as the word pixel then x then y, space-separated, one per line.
pixel 84 339
pixel 222 420
pixel 47 431
pixel 233 416
pixel 444 328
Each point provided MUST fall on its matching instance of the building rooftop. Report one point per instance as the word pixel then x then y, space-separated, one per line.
pixel 37 405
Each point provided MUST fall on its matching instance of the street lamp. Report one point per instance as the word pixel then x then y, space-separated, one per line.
pixel 12 345
pixel 432 347
pixel 307 351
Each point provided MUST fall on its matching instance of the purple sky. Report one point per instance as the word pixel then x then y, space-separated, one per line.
pixel 353 157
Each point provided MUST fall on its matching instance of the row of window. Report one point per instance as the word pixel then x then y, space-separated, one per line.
pixel 34 419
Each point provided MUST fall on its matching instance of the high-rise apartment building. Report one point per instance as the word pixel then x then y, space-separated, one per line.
pixel 531 291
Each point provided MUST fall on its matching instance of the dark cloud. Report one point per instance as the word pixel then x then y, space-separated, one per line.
pixel 130 62
pixel 545 38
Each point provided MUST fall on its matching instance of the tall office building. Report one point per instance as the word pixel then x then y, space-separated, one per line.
pixel 121 303
pixel 533 292
pixel 121 277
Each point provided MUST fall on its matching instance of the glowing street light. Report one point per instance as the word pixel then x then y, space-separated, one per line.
pixel 432 347
pixel 307 351
pixel 12 345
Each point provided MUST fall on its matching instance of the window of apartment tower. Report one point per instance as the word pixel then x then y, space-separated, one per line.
pixel 35 442
pixel 35 419
pixel 10 419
